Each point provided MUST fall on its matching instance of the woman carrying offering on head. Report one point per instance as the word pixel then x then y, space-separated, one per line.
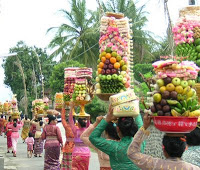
pixel 110 134
pixel 173 148
pixel 26 128
pixel 116 150
pixel 51 133
pixel 69 144
pixel 38 143
pixel 81 153
pixel 8 134
pixel 15 134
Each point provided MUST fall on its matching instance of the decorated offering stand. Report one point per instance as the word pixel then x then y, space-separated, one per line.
pixel 115 59
pixel 175 105
pixel 78 88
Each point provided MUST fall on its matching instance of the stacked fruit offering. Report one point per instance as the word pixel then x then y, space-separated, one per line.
pixel 79 92
pixel 38 107
pixel 175 94
pixel 58 101
pixel 69 82
pixel 113 73
pixel 69 87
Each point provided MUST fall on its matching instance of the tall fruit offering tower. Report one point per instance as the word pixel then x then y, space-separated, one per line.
pixel 113 72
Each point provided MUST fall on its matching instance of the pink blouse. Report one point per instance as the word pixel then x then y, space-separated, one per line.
pixel 52 135
pixel 15 133
pixel 29 140
pixel 76 131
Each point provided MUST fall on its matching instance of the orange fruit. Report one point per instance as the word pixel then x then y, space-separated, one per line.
pixel 108 55
pixel 99 70
pixel 100 56
pixel 116 65
pixel 103 59
pixel 101 64
pixel 113 60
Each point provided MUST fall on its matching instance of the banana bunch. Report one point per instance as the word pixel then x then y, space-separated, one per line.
pixel 188 107
pixel 187 50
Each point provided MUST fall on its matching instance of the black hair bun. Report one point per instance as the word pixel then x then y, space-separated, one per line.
pixel 127 126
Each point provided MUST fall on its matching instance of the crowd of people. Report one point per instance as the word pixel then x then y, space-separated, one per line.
pixel 121 143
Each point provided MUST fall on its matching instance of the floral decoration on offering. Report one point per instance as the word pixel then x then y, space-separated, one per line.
pixel 187 34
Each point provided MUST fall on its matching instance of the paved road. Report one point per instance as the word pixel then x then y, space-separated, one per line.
pixel 21 162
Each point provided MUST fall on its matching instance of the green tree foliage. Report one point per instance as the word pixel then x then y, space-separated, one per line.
pixel 57 76
pixel 74 39
pixel 142 68
pixel 29 63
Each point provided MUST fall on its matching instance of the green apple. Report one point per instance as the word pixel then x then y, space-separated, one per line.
pixel 114 54
pixel 120 77
pixel 190 82
pixel 124 80
pixel 184 83
pixel 193 83
pixel 114 76
pixel 176 81
pixel 118 58
pixel 103 77
pixel 160 82
pixel 108 77
pixel 157 97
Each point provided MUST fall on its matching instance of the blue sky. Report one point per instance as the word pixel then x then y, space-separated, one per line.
pixel 28 20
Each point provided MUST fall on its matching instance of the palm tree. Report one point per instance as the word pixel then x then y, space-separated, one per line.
pixel 142 40
pixel 74 39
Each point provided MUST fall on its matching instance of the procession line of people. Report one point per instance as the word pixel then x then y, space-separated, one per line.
pixel 119 142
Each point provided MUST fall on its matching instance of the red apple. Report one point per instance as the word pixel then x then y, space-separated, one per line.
pixel 105 66
pixel 103 71
pixel 107 61
pixel 110 66
pixel 108 71
pixel 114 71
